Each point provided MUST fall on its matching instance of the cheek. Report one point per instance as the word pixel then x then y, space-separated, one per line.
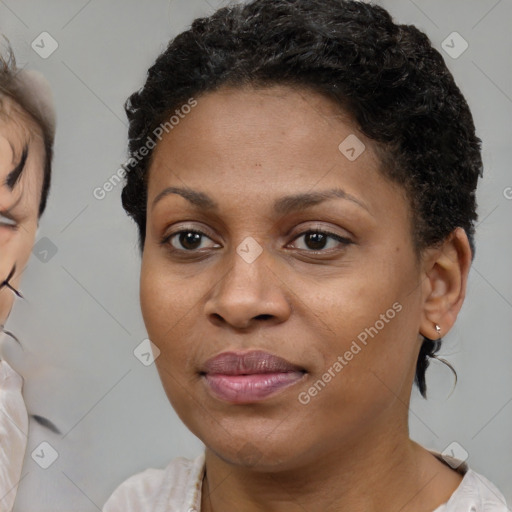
pixel 154 299
pixel 15 248
pixel 167 307
pixel 24 247
pixel 369 344
pixel 6 302
pixel 169 302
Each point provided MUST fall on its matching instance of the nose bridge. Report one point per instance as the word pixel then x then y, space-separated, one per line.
pixel 247 289
pixel 246 275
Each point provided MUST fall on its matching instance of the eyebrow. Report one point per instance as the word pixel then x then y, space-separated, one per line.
pixel 283 205
pixel 14 175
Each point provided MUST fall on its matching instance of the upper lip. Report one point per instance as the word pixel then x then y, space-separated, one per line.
pixel 248 363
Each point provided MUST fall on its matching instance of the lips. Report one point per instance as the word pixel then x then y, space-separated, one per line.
pixel 249 377
pixel 254 362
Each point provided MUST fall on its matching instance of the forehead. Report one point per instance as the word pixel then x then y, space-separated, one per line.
pixel 17 123
pixel 274 121
pixel 236 131
pixel 255 145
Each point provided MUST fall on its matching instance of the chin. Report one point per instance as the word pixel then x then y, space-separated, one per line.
pixel 256 457
pixel 258 451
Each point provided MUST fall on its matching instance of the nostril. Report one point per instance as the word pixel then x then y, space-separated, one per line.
pixel 263 317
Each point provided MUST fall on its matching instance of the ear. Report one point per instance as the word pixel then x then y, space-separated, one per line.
pixel 444 278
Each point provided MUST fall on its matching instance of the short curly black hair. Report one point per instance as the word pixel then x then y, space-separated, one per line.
pixel 388 77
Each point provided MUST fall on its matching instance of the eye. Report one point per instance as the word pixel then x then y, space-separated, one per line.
pixel 319 240
pixel 7 222
pixel 190 240
pixel 187 240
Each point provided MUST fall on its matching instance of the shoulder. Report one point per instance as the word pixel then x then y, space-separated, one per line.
pixel 13 433
pixel 177 487
pixel 475 494
pixel 481 493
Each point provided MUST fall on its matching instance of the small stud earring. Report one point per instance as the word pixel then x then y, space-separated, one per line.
pixel 438 329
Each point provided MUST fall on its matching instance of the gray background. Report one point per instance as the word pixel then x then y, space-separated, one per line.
pixel 81 320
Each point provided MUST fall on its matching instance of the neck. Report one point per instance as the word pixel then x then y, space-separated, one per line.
pixel 380 471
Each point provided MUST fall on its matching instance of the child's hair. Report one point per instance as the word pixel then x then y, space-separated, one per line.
pixel 33 101
pixel 388 77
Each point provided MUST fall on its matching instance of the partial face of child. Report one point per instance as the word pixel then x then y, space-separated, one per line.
pixel 22 156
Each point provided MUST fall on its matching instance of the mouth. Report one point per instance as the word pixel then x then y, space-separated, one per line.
pixel 249 377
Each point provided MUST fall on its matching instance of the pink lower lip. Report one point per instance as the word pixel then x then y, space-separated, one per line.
pixel 250 388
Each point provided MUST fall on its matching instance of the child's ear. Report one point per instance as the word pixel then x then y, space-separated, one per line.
pixel 444 278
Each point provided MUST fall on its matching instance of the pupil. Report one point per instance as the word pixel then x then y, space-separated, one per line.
pixel 315 240
pixel 190 240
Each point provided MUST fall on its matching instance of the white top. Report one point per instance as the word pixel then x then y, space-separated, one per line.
pixel 13 434
pixel 177 488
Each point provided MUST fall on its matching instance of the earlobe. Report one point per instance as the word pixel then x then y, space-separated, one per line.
pixel 445 270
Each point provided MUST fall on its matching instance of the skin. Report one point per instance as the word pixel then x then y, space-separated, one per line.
pixel 21 202
pixel 349 447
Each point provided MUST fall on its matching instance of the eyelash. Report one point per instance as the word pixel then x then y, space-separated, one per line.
pixel 344 241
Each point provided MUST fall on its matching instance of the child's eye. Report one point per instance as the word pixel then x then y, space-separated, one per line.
pixel 8 222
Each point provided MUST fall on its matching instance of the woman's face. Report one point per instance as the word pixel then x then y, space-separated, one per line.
pixel 252 171
pixel 21 179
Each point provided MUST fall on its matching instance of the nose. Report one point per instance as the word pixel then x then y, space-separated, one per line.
pixel 249 293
